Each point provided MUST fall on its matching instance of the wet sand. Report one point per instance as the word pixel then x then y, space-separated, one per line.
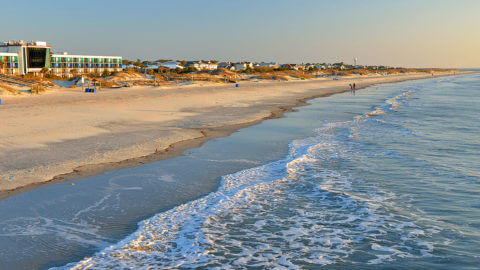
pixel 67 134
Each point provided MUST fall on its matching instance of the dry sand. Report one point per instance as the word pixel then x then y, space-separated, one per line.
pixel 67 134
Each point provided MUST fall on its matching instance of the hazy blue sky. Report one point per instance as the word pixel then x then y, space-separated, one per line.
pixel 428 33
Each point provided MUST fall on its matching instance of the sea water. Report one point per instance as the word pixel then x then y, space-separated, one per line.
pixel 387 177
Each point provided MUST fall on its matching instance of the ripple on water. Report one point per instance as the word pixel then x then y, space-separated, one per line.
pixel 295 212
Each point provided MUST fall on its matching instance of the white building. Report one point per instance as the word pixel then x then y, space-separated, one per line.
pixel 171 65
pixel 240 66
pixel 269 64
pixel 35 57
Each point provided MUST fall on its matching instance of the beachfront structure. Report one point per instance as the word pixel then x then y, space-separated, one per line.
pixel 201 65
pixel 35 57
pixel 8 63
pixel 66 64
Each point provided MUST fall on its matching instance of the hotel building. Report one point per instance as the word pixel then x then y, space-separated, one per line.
pixel 20 58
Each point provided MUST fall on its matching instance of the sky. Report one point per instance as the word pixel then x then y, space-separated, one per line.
pixel 407 33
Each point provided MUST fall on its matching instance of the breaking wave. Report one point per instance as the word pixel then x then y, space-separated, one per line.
pixel 305 210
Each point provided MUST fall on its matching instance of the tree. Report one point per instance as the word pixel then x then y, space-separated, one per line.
pixel 248 70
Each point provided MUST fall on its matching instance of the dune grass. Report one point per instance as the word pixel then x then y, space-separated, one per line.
pixel 9 89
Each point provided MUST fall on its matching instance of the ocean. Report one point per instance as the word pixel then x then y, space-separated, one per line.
pixel 384 178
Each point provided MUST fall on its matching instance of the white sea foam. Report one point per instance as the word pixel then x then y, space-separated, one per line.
pixel 286 214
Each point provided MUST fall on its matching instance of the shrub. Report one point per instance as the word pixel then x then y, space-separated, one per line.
pixel 186 70
pixel 9 89
pixel 106 73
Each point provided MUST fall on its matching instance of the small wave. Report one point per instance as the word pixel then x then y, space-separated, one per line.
pixel 286 214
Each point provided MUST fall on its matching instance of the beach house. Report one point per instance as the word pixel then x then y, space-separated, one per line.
pixel 269 64
pixel 240 66
pixel 171 65
pixel 202 65
pixel 211 66
pixel 224 64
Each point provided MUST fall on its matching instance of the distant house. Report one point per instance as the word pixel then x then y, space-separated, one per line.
pixel 293 66
pixel 193 64
pixel 298 67
pixel 131 66
pixel 322 66
pixel 240 66
pixel 152 67
pixel 171 65
pixel 224 65
pixel 338 66
pixel 250 64
pixel 270 64
pixel 211 66
pixel 202 65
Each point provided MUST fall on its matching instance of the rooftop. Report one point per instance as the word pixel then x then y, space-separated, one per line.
pixel 24 43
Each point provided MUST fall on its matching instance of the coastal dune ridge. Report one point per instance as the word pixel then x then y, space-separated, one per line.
pixel 66 134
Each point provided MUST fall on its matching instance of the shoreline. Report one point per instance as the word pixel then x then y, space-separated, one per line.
pixel 203 134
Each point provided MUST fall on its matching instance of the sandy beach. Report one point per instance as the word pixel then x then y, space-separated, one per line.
pixel 66 134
